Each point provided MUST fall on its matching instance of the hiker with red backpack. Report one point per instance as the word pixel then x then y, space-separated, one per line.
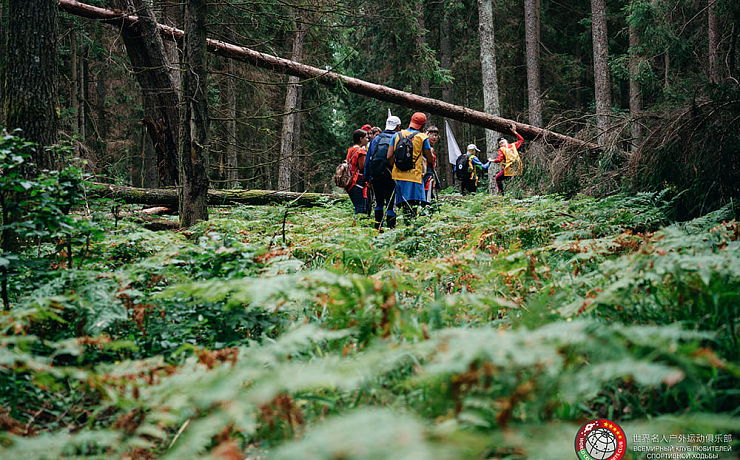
pixel 356 188
pixel 378 173
pixel 409 153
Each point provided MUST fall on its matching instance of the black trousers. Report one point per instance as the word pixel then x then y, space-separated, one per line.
pixel 468 186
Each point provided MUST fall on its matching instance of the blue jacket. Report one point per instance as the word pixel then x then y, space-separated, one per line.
pixel 371 151
pixel 476 163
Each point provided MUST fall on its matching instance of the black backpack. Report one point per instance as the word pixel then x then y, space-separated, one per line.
pixel 379 167
pixel 403 155
pixel 462 167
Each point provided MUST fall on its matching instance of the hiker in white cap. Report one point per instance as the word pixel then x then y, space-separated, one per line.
pixel 466 169
pixel 378 173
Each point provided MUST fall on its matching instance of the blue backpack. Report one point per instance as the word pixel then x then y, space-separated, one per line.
pixel 380 168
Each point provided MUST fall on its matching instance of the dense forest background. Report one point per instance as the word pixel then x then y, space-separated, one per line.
pixel 671 89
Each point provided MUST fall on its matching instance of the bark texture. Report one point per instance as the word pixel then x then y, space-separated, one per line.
pixel 635 87
pixel 230 138
pixel 532 38
pixel 713 36
pixel 534 92
pixel 421 49
pixel 448 91
pixel 31 89
pixel 74 83
pixel 149 176
pixel 194 203
pixel 602 82
pixel 171 14
pixel 489 75
pixel 3 41
pixel 169 197
pixel 148 56
pixel 288 145
pixel 355 85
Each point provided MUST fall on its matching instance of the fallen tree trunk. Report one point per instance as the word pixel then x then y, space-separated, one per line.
pixel 328 77
pixel 168 196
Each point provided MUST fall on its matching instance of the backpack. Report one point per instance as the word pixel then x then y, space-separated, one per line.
pixel 403 156
pixel 462 167
pixel 380 168
pixel 343 176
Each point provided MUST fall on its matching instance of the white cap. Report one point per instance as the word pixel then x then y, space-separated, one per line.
pixel 392 123
pixel 472 147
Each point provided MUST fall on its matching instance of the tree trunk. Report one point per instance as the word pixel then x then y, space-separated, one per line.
pixel 299 162
pixel 532 38
pixel 169 197
pixel 534 93
pixel 231 163
pixel 230 136
pixel 421 32
pixel 149 177
pixel 448 90
pixel 3 72
pixel 490 79
pixel 292 109
pixel 667 69
pixel 602 84
pixel 74 85
pixel 194 203
pixel 635 87
pixel 732 54
pixel 31 80
pixel 82 121
pixel 171 14
pixel 713 34
pixel 101 124
pixel 354 85
pixel 148 57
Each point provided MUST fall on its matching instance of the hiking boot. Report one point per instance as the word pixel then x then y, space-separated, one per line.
pixel 378 217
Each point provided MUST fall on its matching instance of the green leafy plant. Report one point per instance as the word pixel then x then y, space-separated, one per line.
pixel 461 335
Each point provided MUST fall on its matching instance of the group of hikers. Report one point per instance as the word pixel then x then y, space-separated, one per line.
pixel 399 167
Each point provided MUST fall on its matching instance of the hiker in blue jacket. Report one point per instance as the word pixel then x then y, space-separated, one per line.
pixel 378 175
pixel 467 168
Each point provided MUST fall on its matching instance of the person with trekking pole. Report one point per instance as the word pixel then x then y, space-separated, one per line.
pixel 407 152
pixel 378 173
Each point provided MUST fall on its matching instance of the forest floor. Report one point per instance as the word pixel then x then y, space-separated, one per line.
pixel 487 327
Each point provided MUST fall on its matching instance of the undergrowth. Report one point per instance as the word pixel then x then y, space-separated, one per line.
pixel 466 333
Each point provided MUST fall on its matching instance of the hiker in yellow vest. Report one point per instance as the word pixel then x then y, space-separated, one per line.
pixel 508 156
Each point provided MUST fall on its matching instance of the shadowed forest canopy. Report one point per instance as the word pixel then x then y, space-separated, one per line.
pixel 656 90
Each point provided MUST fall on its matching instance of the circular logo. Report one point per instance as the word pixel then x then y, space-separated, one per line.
pixel 600 439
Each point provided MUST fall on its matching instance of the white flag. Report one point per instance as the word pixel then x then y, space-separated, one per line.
pixel 389 112
pixel 452 149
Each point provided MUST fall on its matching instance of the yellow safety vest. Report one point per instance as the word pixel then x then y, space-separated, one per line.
pixel 414 174
pixel 513 166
